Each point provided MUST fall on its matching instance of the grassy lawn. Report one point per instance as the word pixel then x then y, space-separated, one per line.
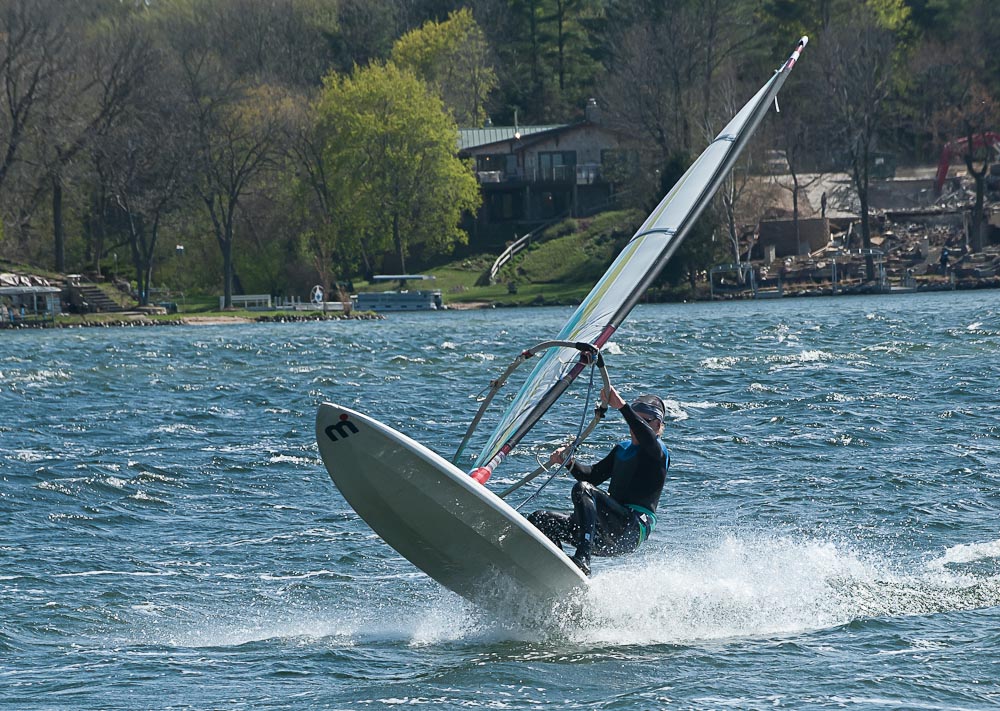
pixel 560 268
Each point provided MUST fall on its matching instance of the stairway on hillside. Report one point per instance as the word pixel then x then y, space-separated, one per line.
pixel 90 298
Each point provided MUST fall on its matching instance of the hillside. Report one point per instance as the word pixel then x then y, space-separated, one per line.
pixel 559 267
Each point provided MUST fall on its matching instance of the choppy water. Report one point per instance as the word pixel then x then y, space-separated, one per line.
pixel 828 538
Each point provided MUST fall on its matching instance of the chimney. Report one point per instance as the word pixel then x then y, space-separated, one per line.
pixel 592 112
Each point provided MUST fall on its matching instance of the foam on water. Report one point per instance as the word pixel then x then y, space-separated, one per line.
pixel 966 553
pixel 766 586
pixel 738 587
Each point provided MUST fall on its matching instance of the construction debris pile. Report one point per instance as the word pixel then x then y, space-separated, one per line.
pixel 919 241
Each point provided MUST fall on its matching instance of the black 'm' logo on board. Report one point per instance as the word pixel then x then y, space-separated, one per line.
pixel 342 429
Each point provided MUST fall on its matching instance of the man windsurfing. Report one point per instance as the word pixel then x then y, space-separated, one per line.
pixel 614 522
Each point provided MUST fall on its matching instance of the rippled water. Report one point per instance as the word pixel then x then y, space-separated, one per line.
pixel 828 536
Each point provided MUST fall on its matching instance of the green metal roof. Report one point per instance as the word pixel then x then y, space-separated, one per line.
pixel 475 137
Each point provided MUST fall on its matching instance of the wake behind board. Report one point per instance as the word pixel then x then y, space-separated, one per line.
pixel 445 523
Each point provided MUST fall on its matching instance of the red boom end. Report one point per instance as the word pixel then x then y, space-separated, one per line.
pixel 482 474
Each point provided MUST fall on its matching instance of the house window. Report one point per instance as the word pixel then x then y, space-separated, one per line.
pixel 557 165
pixel 486 163
pixel 510 165
pixel 496 166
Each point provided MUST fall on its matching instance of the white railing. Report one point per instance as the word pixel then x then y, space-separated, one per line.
pixel 247 301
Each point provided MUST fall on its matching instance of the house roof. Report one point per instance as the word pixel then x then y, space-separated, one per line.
pixel 475 137
pixel 22 290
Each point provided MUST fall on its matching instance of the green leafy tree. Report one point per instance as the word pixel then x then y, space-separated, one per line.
pixel 326 238
pixel 392 143
pixel 454 58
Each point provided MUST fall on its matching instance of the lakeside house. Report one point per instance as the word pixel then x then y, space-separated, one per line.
pixel 25 300
pixel 531 174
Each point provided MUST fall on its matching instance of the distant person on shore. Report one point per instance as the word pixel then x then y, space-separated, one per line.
pixel 616 522
pixel 945 254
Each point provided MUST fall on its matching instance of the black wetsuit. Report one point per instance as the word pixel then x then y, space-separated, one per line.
pixel 613 523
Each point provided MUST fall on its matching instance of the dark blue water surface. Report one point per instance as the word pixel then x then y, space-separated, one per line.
pixel 828 537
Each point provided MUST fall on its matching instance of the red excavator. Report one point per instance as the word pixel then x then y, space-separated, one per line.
pixel 959 146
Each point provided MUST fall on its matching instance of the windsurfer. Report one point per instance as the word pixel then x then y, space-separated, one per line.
pixel 616 522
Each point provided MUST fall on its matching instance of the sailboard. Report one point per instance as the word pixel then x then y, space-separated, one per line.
pixel 437 517
pixel 444 520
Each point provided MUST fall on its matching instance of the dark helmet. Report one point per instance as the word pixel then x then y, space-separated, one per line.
pixel 650 406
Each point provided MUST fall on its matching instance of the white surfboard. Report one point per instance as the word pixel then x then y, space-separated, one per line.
pixel 451 527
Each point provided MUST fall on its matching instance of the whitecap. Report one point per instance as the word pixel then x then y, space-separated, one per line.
pixel 407 359
pixel 178 428
pixel 289 459
pixel 840 397
pixel 719 363
pixel 966 553
pixel 148 498
pixel 54 486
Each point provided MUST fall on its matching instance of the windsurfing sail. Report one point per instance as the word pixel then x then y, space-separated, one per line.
pixel 629 276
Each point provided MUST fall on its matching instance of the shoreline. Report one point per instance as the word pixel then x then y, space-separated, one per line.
pixel 127 319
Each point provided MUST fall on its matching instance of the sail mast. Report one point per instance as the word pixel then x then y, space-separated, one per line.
pixel 631 274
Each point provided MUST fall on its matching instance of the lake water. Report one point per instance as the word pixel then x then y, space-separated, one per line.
pixel 828 535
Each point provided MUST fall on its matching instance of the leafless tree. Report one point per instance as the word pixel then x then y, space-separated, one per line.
pixel 234 123
pixel 858 58
pixel 145 157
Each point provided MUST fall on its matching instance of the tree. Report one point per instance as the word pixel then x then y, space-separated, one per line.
pixel 859 58
pixel 545 48
pixel 279 42
pixel 328 240
pixel 571 58
pixel 235 142
pixel 662 93
pixel 68 70
pixel 956 95
pixel 796 130
pixel 454 58
pixel 34 41
pixel 393 146
pixel 117 58
pixel 145 161
pixel 234 128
